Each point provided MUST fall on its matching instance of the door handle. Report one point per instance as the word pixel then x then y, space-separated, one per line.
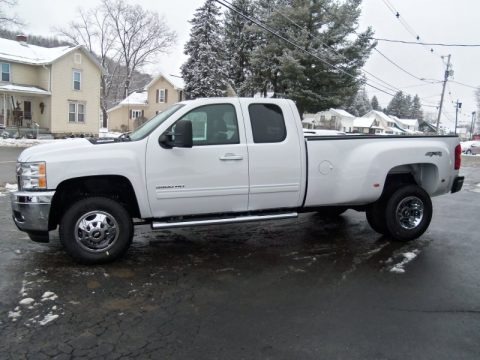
pixel 230 156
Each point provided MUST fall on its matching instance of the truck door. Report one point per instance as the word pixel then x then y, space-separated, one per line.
pixel 276 165
pixel 210 177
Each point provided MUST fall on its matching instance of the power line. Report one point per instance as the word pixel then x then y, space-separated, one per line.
pixel 385 56
pixel 459 83
pixel 405 71
pixel 293 43
pixel 401 19
pixel 257 22
pixel 406 25
pixel 389 86
pixel 425 43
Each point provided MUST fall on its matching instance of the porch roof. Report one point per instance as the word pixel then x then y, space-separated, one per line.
pixel 22 89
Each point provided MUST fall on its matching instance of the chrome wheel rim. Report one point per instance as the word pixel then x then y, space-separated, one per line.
pixel 96 231
pixel 410 212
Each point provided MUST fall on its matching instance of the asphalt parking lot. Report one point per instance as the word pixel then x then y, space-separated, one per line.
pixel 307 288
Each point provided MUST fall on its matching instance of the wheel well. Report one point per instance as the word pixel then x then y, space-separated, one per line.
pixel 396 180
pixel 115 187
pixel 423 175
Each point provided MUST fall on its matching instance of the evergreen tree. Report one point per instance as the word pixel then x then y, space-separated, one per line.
pixel 403 106
pixel 239 43
pixel 322 27
pixel 374 103
pixel 397 105
pixel 359 105
pixel 416 109
pixel 204 72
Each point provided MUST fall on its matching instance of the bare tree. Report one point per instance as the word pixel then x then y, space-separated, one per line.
pixel 141 35
pixel 5 18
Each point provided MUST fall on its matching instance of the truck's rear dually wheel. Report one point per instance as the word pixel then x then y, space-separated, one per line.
pixel 96 230
pixel 403 213
pixel 408 213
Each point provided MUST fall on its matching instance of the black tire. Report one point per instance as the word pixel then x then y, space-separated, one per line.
pixel 468 152
pixel 376 217
pixel 408 213
pixel 106 232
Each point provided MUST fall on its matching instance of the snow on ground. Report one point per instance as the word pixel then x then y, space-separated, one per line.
pixel 399 268
pixel 33 308
pixel 104 133
pixel 476 188
pixel 7 189
pixel 22 142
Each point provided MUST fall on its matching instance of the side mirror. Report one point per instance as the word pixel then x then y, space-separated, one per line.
pixel 181 136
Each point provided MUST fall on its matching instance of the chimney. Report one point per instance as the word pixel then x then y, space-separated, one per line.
pixel 21 38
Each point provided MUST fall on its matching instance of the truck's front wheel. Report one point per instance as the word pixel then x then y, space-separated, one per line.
pixel 96 230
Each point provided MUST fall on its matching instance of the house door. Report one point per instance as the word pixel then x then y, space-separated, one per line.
pixel 27 110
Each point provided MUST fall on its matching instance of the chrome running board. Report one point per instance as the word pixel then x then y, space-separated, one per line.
pixel 158 225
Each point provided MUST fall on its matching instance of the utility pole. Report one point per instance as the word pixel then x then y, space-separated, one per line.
pixel 458 105
pixel 447 74
pixel 472 127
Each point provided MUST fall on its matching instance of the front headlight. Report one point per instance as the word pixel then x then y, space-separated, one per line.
pixel 32 175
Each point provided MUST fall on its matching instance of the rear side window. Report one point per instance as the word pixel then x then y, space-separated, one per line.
pixel 268 124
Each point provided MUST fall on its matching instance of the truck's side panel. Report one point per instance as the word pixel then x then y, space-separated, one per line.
pixel 352 170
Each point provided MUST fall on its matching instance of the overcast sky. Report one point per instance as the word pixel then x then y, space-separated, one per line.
pixel 435 21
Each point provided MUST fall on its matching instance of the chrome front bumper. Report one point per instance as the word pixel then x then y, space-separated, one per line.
pixel 31 210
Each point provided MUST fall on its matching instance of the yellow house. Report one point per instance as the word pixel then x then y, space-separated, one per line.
pixel 139 106
pixel 57 89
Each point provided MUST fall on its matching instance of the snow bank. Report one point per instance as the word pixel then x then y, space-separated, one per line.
pixel 8 188
pixel 22 142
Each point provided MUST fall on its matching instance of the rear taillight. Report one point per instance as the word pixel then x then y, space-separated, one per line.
pixel 458 157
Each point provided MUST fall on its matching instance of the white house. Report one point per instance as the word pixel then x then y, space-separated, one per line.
pixel 408 124
pixel 336 119
pixel 386 124
pixel 365 125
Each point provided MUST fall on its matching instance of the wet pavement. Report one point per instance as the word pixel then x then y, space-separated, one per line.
pixel 8 158
pixel 308 288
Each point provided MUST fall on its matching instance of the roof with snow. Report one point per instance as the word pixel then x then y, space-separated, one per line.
pixel 175 81
pixel 30 90
pixel 408 122
pixel 378 114
pixel 342 113
pixel 22 52
pixel 135 98
pixel 363 122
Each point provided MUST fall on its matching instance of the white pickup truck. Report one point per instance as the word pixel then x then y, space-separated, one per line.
pixel 226 160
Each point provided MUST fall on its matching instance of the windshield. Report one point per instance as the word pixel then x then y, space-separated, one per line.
pixel 153 123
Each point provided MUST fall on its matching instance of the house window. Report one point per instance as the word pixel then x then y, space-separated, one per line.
pixel 76 112
pixel 135 114
pixel 77 79
pixel 162 95
pixel 5 72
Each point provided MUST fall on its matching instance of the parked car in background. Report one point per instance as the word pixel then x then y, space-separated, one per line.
pixel 471 147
